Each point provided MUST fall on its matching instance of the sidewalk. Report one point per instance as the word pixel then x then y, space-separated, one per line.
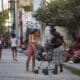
pixel 67 64
pixel 10 70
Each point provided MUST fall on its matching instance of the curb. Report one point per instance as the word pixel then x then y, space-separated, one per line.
pixel 72 69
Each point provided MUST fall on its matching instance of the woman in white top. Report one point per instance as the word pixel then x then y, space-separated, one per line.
pixel 14 47
pixel 0 47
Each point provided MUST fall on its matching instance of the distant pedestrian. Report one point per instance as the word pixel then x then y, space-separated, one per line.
pixel 32 44
pixel 75 41
pixel 14 47
pixel 0 47
pixel 21 40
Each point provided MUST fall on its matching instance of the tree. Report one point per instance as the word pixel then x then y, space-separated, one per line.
pixel 60 12
pixel 2 18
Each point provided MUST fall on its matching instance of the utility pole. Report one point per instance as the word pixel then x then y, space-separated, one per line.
pixel 12 10
pixel 20 26
pixel 2 17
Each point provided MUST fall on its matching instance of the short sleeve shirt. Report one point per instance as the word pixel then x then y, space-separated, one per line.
pixel 55 40
pixel 55 37
pixel 13 42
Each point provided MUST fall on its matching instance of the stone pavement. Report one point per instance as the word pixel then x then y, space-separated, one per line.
pixel 10 70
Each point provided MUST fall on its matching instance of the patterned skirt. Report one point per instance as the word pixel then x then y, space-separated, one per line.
pixel 58 55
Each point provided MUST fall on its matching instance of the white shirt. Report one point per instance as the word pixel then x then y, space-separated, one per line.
pixel 44 53
pixel 13 42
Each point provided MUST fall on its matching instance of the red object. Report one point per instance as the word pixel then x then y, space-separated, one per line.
pixel 77 53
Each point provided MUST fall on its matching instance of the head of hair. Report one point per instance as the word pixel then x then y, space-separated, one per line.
pixel 52 30
pixel 34 31
pixel 73 35
pixel 13 35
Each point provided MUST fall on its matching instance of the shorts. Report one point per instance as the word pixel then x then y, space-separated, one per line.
pixel 30 51
pixel 58 55
pixel 0 46
pixel 14 49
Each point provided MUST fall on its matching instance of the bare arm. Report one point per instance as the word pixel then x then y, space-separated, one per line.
pixel 64 45
pixel 30 37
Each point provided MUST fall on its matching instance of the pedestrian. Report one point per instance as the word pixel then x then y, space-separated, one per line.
pixel 14 47
pixel 75 41
pixel 0 47
pixel 32 44
pixel 58 46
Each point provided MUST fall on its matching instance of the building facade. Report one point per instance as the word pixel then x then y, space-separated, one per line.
pixel 26 4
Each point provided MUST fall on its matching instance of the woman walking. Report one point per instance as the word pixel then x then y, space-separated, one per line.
pixel 32 43
pixel 14 47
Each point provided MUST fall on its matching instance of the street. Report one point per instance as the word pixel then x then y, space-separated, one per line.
pixel 10 70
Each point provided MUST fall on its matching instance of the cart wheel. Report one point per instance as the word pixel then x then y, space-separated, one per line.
pixel 54 72
pixel 36 71
pixel 45 71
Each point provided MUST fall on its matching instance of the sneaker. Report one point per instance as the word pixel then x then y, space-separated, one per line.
pixel 55 72
pixel 61 70
pixel 70 62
